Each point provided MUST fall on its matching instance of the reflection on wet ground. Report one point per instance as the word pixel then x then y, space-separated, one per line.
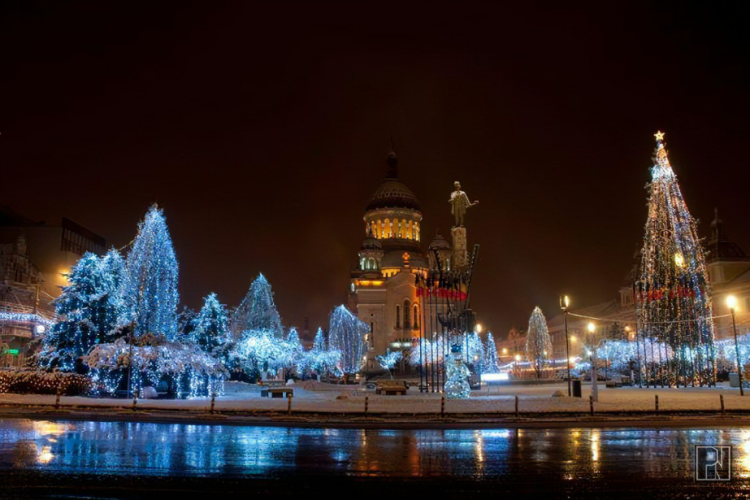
pixel 557 462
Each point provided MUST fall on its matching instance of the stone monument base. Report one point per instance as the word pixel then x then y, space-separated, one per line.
pixel 460 257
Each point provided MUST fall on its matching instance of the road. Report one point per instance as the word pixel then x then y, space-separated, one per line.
pixel 46 459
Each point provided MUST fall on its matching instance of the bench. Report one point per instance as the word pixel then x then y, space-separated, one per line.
pixel 391 387
pixel 276 392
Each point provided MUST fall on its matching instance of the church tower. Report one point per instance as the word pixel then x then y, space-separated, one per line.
pixel 382 289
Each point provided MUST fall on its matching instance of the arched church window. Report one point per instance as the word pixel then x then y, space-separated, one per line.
pixel 382 224
pixel 416 231
pixel 407 314
pixel 398 316
pixel 371 263
pixel 415 317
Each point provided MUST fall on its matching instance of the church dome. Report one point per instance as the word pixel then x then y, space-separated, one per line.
pixel 393 193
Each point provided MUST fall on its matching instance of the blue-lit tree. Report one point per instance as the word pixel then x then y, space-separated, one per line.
pixel 475 352
pixel 320 359
pixel 88 312
pixel 150 284
pixel 457 383
pixel 261 353
pixel 490 356
pixel 347 335
pixel 389 359
pixel 257 311
pixel 211 328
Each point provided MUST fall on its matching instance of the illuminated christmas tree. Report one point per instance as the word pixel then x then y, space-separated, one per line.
pixel 211 328
pixel 457 383
pixel 672 294
pixel 538 342
pixel 347 336
pixel 150 284
pixel 257 310
pixel 88 311
pixel 490 356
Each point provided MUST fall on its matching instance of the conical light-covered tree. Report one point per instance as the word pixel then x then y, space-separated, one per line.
pixel 211 326
pixel 347 335
pixel 150 285
pixel 257 310
pixel 672 293
pixel 538 343
pixel 490 356
pixel 88 311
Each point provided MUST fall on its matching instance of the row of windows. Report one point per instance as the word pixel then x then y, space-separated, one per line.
pixel 396 228
pixel 368 264
pixel 410 316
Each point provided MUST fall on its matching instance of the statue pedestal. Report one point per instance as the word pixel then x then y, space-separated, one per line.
pixel 460 258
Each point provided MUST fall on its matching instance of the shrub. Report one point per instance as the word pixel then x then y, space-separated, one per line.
pixel 38 382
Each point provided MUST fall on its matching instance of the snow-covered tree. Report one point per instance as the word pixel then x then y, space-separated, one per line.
pixel 389 360
pixel 88 311
pixel 257 311
pixel 320 359
pixel 190 370
pixel 347 335
pixel 538 343
pixel 490 355
pixel 150 284
pixel 261 352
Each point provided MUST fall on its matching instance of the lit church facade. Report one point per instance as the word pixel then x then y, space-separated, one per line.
pixel 382 290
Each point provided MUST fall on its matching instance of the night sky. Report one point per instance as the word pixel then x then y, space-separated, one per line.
pixel 262 130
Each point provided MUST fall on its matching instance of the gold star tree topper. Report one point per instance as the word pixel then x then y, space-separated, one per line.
pixel 659 136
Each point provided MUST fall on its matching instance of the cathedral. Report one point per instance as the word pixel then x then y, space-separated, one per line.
pixel 383 289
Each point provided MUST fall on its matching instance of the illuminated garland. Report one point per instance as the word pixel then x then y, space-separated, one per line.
pixel 672 294
pixel 25 318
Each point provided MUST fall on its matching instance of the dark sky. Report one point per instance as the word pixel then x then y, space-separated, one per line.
pixel 262 130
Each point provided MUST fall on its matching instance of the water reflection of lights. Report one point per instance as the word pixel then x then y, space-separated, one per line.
pixel 45 456
pixel 595 445
pixel 45 428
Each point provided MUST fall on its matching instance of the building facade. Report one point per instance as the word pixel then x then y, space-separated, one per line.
pixel 35 259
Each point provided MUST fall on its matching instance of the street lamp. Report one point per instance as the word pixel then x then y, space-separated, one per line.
pixel 564 304
pixel 479 328
pixel 732 303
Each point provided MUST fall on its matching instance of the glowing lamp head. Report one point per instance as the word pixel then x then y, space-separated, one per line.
pixel 573 338
pixel 518 357
pixel 732 302
pixel 479 328
pixel 591 327
pixel 505 350
pixel 39 329
pixel 679 260
pixel 564 302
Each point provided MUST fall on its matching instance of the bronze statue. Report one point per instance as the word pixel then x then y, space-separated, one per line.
pixel 459 203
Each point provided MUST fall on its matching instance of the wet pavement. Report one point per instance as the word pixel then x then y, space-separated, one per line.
pixel 138 460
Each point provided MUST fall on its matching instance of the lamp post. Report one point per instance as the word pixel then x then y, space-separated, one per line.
pixel 732 303
pixel 564 303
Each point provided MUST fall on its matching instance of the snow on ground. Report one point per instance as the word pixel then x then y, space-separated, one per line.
pixel 312 396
